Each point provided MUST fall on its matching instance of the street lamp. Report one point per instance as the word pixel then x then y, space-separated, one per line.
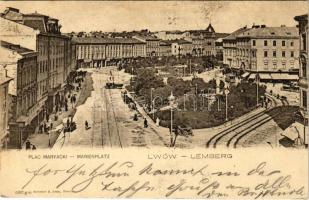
pixel 226 92
pixel 257 89
pixel 184 102
pixel 151 101
pixel 171 100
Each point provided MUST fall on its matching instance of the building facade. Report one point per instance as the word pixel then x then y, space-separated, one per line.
pixel 42 34
pixel 21 65
pixel 181 47
pixel 165 49
pixel 96 52
pixel 303 58
pixel 229 48
pixel 271 52
pixel 152 45
pixel 4 107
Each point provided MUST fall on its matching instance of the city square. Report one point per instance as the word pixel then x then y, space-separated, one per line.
pixel 188 88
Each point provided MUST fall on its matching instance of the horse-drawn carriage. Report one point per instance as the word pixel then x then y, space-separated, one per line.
pixel 182 130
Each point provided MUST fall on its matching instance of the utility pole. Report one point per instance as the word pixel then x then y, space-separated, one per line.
pixel 190 67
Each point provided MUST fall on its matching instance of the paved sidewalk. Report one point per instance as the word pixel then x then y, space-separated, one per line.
pixel 44 140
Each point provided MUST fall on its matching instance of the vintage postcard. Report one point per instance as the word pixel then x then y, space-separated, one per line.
pixel 154 99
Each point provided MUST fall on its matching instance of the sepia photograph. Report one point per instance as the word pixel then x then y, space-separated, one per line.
pixel 207 77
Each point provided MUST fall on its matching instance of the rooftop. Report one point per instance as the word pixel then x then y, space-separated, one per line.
pixel 273 32
pixel 181 41
pixel 4 79
pixel 15 47
pixel 97 40
pixel 148 37
pixel 233 35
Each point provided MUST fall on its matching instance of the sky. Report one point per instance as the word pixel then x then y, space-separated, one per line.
pixel 225 16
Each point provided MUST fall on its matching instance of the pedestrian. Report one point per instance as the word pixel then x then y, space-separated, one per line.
pixel 86 125
pixel 33 147
pixel 158 122
pixel 40 128
pixel 145 123
pixel 51 126
pixel 68 122
pixel 135 117
pixel 28 145
pixel 45 128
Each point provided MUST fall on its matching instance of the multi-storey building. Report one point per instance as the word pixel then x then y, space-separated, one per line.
pixel 270 52
pixel 152 45
pixel 43 35
pixel 165 48
pixel 4 107
pixel 204 41
pixel 303 58
pixel 181 47
pixel 20 64
pixel 229 48
pixel 172 35
pixel 96 52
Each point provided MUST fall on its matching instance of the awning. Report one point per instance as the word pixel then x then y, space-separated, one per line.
pixel 252 76
pixel 265 76
pixel 284 77
pixel 296 130
pixel 245 75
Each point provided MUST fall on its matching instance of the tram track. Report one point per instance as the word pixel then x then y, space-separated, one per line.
pixel 241 129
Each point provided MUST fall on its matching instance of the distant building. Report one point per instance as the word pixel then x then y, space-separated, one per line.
pixel 21 65
pixel 204 41
pixel 303 58
pixel 165 48
pixel 271 52
pixel 96 52
pixel 230 49
pixel 4 107
pixel 152 45
pixel 172 35
pixel 181 47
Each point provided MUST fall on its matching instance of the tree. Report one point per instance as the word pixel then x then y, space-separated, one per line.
pixel 146 79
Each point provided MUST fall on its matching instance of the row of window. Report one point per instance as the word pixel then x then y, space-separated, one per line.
pixel 42 87
pixel 26 101
pixel 274 43
pixel 275 64
pixel 283 54
pixel 26 74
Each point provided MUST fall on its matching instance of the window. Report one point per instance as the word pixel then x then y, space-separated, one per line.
pixel 283 43
pixel 304 95
pixel 274 43
pixel 292 44
pixel 304 42
pixel 254 54
pixel 253 43
pixel 283 53
pixel 303 68
pixel 292 54
pixel 265 42
pixel 274 54
pixel 265 65
pixel 265 54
